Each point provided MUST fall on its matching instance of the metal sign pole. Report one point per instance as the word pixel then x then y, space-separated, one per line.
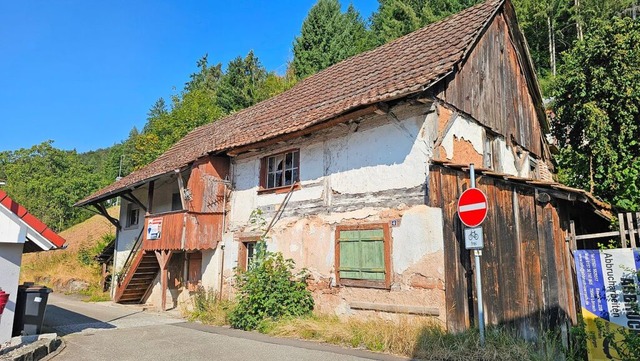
pixel 477 253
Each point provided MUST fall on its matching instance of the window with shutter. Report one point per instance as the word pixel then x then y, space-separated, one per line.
pixel 363 255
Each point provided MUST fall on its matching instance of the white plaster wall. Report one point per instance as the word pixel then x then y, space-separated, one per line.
pixel 419 233
pixel 379 154
pixel 390 156
pixel 376 155
pixel 127 235
pixel 10 259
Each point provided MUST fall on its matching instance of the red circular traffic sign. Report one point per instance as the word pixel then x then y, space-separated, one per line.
pixel 472 207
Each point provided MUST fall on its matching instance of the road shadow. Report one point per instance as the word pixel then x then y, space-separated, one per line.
pixel 65 322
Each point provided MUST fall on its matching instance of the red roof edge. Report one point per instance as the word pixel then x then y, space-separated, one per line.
pixel 31 220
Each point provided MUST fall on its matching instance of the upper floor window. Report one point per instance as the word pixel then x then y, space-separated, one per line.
pixel 133 214
pixel 280 170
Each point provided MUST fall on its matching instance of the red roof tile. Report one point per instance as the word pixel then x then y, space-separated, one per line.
pixel 405 66
pixel 31 220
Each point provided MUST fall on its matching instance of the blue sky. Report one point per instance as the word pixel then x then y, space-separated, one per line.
pixel 83 73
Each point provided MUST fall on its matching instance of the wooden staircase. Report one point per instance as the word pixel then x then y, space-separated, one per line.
pixel 142 272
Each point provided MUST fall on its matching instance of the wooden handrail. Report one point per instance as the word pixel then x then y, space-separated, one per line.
pixel 127 264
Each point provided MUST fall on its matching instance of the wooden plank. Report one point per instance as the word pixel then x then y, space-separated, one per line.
pixel 599 235
pixel 572 235
pixel 623 239
pixel 444 189
pixel 632 236
pixel 394 308
pixel 530 266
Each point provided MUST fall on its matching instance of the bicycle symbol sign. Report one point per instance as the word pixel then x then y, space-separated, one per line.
pixel 473 238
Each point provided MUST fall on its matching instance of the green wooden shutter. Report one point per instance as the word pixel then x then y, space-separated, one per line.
pixel 362 254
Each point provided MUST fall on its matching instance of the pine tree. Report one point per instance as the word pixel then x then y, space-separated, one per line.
pixel 240 86
pixel 327 37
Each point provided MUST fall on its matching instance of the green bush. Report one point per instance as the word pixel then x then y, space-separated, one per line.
pixel 269 290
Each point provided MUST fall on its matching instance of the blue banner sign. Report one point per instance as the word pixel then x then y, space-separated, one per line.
pixel 608 284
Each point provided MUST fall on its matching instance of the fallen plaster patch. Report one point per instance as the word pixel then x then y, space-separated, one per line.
pixel 463 129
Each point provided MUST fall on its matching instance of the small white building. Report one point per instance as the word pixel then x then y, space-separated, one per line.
pixel 20 232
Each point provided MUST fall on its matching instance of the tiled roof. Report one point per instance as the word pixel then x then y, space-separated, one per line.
pixel 31 220
pixel 405 66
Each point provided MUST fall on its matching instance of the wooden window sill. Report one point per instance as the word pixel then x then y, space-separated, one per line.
pixel 364 284
pixel 280 190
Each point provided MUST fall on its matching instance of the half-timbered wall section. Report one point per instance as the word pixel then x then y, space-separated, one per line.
pixel 492 87
pixel 527 273
pixel 363 179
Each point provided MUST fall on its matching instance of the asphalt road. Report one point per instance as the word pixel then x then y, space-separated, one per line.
pixel 107 331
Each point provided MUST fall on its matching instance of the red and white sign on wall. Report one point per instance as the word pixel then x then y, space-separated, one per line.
pixel 472 207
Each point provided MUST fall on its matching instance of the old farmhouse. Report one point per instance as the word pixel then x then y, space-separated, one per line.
pixel 356 171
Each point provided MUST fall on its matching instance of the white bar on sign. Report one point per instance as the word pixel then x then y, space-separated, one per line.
pixel 473 207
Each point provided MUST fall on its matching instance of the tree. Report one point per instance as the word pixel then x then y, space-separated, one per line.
pixel 327 37
pixel 48 181
pixel 597 102
pixel 395 18
pixel 240 86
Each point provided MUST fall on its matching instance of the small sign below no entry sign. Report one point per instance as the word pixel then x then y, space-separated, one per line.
pixel 473 238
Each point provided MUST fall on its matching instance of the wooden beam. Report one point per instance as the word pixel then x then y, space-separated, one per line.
pixel 103 211
pixel 393 308
pixel 183 198
pixel 382 108
pixel 572 236
pixel 308 130
pixel 623 239
pixel 133 199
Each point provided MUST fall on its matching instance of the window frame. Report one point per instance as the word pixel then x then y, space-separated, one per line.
pixel 386 230
pixel 130 208
pixel 264 172
pixel 243 252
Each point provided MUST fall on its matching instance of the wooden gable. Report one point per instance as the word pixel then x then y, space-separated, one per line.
pixel 496 85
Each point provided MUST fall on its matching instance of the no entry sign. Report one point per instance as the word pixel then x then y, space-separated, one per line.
pixel 472 207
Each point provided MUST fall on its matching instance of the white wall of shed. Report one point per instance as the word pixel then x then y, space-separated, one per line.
pixel 10 261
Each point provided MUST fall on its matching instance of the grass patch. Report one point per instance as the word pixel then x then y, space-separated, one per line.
pixel 209 310
pixel 56 269
pixel 416 337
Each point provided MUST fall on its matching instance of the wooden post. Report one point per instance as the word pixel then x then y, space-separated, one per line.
pixel 163 260
pixel 631 228
pixel 572 236
pixel 623 238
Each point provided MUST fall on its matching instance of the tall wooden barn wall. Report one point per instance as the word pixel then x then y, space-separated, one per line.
pixel 492 88
pixel 527 275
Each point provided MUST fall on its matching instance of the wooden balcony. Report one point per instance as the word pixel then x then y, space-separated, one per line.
pixel 182 230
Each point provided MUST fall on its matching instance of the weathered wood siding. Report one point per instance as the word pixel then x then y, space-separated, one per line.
pixel 205 184
pixel 492 88
pixel 526 267
pixel 185 231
